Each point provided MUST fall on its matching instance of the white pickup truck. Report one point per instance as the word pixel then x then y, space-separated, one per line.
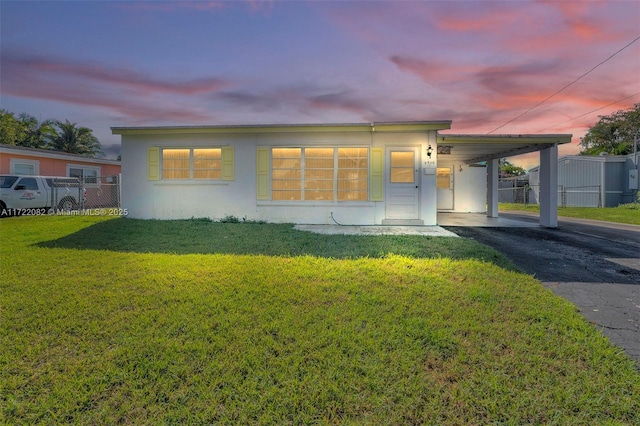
pixel 31 194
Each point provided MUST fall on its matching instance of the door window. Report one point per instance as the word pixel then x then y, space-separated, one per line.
pixel 443 178
pixel 402 164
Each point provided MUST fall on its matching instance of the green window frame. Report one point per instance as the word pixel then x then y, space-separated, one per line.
pixel 201 163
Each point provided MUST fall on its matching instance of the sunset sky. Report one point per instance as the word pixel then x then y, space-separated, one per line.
pixel 478 63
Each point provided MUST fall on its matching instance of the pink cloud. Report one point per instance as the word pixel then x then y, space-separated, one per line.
pixel 135 95
pixel 172 6
pixel 306 99
pixel 432 70
pixel 195 6
pixel 44 67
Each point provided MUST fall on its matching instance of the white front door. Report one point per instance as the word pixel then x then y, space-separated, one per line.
pixel 444 185
pixel 402 187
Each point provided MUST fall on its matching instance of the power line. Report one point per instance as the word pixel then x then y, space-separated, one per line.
pixel 587 113
pixel 565 87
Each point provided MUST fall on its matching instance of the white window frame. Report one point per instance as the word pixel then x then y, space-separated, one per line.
pixel 191 164
pixel 13 162
pixel 335 174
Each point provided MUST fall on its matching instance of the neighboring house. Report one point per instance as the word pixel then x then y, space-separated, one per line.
pixel 18 160
pixel 594 181
pixel 363 173
pixel 100 177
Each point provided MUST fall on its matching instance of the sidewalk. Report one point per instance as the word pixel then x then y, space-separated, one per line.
pixel 427 231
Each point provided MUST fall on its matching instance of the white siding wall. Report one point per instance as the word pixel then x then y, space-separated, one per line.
pixel 182 200
pixel 469 188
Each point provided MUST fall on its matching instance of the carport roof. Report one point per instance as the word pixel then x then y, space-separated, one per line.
pixel 471 149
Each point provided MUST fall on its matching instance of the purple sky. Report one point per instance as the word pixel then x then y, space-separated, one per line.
pixel 478 63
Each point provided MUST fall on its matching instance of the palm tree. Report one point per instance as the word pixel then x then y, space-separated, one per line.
pixel 74 140
pixel 35 134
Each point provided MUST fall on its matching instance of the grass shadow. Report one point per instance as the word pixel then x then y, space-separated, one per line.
pixel 205 237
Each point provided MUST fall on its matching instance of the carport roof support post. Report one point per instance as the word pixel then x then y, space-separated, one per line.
pixel 549 187
pixel 492 187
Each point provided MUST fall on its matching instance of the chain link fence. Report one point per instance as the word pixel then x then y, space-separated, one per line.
pixel 90 192
pixel 568 196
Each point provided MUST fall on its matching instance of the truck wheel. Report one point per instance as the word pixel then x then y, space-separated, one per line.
pixel 67 204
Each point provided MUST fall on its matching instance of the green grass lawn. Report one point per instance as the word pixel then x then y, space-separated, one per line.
pixel 626 213
pixel 106 321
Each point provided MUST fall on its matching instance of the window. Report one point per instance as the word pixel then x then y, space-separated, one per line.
pixel 28 184
pixel 7 181
pixel 443 178
pixel 192 163
pixel 24 167
pixel 84 174
pixel 320 174
pixel 353 170
pixel 402 167
pixel 286 174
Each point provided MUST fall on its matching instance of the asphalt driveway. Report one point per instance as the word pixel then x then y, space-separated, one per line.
pixel 595 265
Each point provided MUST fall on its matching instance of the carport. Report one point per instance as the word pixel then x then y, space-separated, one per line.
pixel 472 150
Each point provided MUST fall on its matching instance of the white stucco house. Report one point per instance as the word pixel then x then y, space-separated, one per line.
pixel 356 174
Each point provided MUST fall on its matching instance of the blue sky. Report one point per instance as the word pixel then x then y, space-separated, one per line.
pixel 478 63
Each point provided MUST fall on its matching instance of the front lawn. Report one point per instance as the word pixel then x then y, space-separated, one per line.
pixel 625 213
pixel 210 323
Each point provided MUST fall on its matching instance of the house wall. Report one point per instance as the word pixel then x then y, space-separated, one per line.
pixel 216 199
pixel 55 166
pixel 469 187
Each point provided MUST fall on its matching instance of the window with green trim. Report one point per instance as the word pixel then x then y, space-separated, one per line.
pixel 191 163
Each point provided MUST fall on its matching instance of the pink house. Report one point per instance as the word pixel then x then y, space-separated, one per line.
pixel 17 160
pixel 101 177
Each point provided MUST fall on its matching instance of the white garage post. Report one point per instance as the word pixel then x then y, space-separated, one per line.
pixel 492 188
pixel 549 187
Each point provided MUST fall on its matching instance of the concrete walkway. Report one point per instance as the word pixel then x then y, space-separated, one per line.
pixel 482 220
pixel 444 219
pixel 427 231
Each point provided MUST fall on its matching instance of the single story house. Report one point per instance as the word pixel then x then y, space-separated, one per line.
pixel 100 177
pixel 18 160
pixel 594 180
pixel 357 174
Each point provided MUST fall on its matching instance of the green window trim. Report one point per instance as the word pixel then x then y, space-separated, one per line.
pixel 227 170
pixel 153 164
pixel 262 174
pixel 376 174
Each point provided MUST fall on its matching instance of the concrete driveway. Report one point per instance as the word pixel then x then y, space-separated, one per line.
pixel 595 265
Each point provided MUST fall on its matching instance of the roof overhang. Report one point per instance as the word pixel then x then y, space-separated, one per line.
pixel 399 126
pixel 471 149
pixel 47 153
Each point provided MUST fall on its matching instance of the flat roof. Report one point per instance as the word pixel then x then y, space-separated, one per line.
pixel 476 148
pixel 382 126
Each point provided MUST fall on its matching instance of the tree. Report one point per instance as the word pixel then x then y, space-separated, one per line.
pixel 24 130
pixel 74 140
pixel 10 128
pixel 34 133
pixel 506 169
pixel 613 134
